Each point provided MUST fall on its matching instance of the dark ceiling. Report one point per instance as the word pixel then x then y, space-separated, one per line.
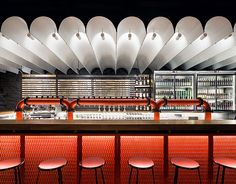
pixel 117 10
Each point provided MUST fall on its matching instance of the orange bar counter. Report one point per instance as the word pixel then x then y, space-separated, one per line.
pixel 116 141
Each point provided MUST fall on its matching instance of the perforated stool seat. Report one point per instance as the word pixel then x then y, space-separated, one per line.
pixel 140 163
pixel 92 163
pixel 52 164
pixel 15 164
pixel 225 163
pixel 185 163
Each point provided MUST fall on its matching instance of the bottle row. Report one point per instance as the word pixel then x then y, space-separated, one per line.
pixel 142 92
pixel 181 94
pixel 221 105
pixel 225 105
pixel 227 81
pixel 183 82
pixel 212 93
pixel 165 82
pixel 187 107
pixel 176 81
pixel 115 116
pixel 142 80
pixel 122 108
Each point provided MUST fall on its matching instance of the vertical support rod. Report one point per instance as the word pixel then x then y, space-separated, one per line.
pixel 210 157
pixel 117 159
pixel 70 115
pixel 166 157
pixel 156 116
pixel 79 156
pixel 19 115
pixel 22 155
pixel 207 116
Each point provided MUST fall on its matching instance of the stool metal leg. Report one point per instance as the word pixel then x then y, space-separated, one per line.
pixel 19 177
pixel 153 176
pixel 96 176
pixel 137 177
pixel 80 175
pixel 103 180
pixel 60 181
pixel 37 180
pixel 223 176
pixel 176 175
pixel 130 175
pixel 199 175
pixel 218 172
pixel 15 173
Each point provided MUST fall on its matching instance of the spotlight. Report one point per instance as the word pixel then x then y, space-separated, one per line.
pixel 78 36
pixel 102 35
pixel 204 35
pixel 30 36
pixel 178 36
pixel 154 36
pixel 129 35
pixel 54 35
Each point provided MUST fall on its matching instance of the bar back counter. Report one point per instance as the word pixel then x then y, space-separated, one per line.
pixel 116 141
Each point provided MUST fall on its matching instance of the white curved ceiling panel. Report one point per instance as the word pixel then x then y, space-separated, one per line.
pixel 8 63
pixel 230 66
pixel 12 51
pixel 223 47
pixel 191 28
pixel 72 30
pixel 186 31
pixel 102 36
pixel 45 30
pixel 227 64
pixel 216 28
pixel 4 68
pixel 225 58
pixel 159 31
pixel 130 36
pixel 1 70
pixel 16 29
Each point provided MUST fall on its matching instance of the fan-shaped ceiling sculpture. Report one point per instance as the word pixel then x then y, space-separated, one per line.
pixel 42 47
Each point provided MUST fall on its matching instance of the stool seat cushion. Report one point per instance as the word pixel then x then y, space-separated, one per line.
pixel 92 162
pixel 141 162
pixel 11 163
pixel 52 164
pixel 226 162
pixel 185 163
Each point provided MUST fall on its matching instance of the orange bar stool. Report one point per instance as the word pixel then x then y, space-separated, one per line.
pixel 51 165
pixel 141 163
pixel 92 163
pixel 224 163
pixel 185 163
pixel 15 164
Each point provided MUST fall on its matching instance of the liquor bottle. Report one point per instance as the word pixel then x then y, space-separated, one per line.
pixel 148 81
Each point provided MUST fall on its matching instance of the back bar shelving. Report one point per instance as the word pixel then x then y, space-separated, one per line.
pixel 218 89
pixel 174 85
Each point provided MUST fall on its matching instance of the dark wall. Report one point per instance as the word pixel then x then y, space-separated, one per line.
pixel 10 90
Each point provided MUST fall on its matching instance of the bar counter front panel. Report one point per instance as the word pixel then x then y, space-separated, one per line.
pixel 116 142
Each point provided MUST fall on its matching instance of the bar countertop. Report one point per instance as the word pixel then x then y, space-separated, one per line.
pixel 118 126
